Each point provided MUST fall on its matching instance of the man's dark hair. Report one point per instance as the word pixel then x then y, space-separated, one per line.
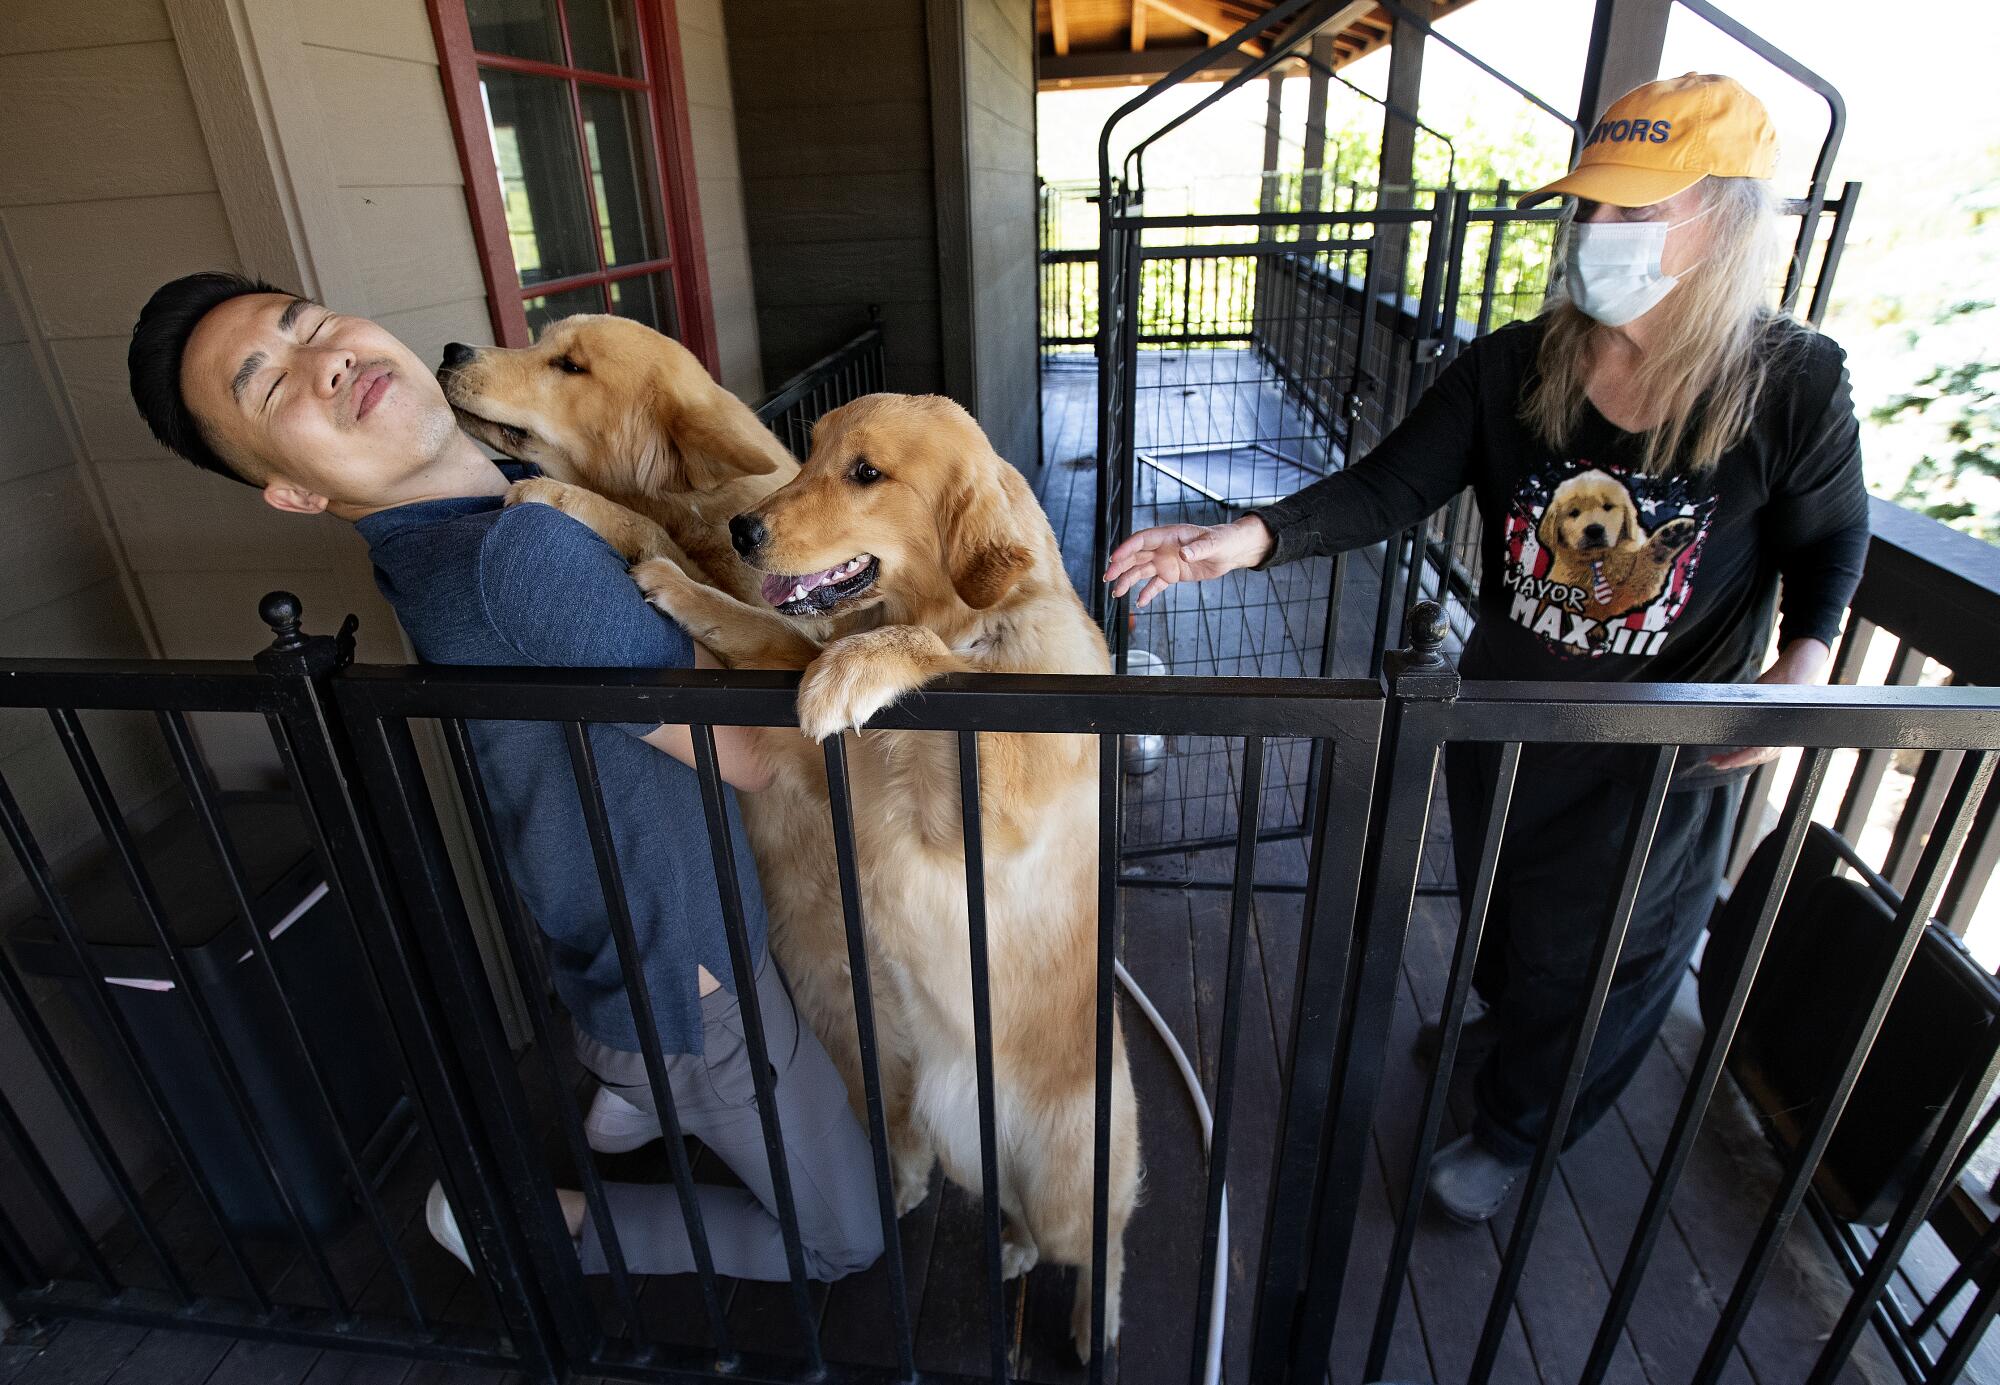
pixel 158 342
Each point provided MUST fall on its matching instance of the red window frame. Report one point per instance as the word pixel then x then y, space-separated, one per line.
pixel 665 88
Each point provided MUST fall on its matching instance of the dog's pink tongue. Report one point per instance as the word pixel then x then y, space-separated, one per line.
pixel 778 588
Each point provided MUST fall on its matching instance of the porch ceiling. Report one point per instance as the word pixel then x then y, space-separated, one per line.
pixel 1096 43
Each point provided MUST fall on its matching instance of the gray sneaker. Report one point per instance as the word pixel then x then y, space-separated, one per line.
pixel 1470 1182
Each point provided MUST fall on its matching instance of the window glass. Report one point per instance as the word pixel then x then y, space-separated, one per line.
pixel 518 28
pixel 534 145
pixel 621 185
pixel 604 36
pixel 646 299
pixel 554 307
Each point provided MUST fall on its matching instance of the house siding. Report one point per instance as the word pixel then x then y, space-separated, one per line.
pixel 834 134
pixel 711 113
pixel 1000 192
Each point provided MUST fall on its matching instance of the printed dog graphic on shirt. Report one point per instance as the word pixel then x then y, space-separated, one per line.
pixel 1601 561
pixel 1592 527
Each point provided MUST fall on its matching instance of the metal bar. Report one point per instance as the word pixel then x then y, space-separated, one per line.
pixel 1489 279
pixel 1919 815
pixel 1249 801
pixel 17 1262
pixel 1925 1188
pixel 1458 990
pixel 202 797
pixel 841 807
pixel 104 807
pixel 415 925
pixel 1971 781
pixel 1110 783
pixel 1836 246
pixel 36 868
pixel 1967 1336
pixel 1969 1264
pixel 1906 666
pixel 1973 870
pixel 49 1054
pixel 531 967
pixel 721 845
pixel 1637 850
pixel 1708 1067
pixel 57 1202
pixel 597 823
pixel 1398 816
pixel 982 1043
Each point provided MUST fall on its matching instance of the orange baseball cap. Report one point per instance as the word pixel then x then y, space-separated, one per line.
pixel 1666 136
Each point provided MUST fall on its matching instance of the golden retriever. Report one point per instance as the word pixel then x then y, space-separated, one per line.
pixel 611 404
pixel 1592 528
pixel 632 417
pixel 906 530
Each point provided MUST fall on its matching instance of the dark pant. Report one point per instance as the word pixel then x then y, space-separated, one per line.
pixel 715 1097
pixel 1558 875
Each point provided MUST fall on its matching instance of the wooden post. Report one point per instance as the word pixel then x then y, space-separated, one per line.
pixel 1395 177
pixel 1274 109
pixel 1627 38
pixel 1322 51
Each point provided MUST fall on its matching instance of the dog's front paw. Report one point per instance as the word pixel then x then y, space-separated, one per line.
pixel 540 490
pixel 856 677
pixel 660 580
pixel 1674 535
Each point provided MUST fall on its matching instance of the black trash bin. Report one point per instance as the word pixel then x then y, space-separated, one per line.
pixel 318 961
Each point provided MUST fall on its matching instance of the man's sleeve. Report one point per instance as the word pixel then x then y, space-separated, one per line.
pixel 1407 476
pixel 1817 520
pixel 556 593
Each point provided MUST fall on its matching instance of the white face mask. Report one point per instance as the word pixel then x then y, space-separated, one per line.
pixel 1614 272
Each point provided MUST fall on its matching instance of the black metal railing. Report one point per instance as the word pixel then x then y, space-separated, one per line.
pixel 346 738
pixel 856 368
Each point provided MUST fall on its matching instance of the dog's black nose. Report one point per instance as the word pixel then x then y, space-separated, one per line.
pixel 747 533
pixel 1593 536
pixel 457 353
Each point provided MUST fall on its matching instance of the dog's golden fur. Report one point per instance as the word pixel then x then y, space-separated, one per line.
pixel 969 578
pixel 1592 528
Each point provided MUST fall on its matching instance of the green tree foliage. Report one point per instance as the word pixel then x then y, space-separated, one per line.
pixel 1957 478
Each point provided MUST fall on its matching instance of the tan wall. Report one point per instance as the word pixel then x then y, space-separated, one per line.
pixel 719 185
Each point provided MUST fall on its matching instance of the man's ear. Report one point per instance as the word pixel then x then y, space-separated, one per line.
pixel 293 500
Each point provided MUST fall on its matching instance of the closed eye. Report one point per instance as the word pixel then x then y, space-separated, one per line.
pixel 274 389
pixel 569 365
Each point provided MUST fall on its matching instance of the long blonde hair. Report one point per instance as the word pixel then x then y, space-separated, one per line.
pixel 1708 361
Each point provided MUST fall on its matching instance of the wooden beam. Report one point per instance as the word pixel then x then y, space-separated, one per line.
pixel 1138 26
pixel 1116 67
pixel 1059 26
pixel 1208 17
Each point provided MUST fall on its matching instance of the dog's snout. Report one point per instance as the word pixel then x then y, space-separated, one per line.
pixel 747 533
pixel 457 353
pixel 1594 536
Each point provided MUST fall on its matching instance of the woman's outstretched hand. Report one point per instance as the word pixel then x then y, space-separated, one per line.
pixel 1158 558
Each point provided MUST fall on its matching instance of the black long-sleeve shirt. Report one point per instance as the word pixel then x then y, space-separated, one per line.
pixel 1592 569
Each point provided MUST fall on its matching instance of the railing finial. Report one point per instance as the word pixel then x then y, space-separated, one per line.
pixel 283 611
pixel 1425 630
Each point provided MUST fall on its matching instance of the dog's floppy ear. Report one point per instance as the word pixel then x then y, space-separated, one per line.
pixel 978 530
pixel 1628 518
pixel 1549 531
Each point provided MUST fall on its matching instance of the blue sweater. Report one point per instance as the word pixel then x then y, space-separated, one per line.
pixel 476 583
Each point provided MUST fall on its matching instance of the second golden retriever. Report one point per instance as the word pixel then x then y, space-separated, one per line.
pixel 907 530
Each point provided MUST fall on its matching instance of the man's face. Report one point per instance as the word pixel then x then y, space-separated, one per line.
pixel 319 408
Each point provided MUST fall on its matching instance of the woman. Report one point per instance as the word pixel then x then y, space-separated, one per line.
pixel 1650 456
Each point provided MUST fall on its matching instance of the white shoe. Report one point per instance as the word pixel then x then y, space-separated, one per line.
pixel 444 1226
pixel 1470 1182
pixel 616 1126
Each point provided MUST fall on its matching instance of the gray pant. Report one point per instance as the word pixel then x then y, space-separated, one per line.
pixel 832 1170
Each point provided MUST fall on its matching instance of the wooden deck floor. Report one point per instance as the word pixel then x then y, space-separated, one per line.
pixel 1174 941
